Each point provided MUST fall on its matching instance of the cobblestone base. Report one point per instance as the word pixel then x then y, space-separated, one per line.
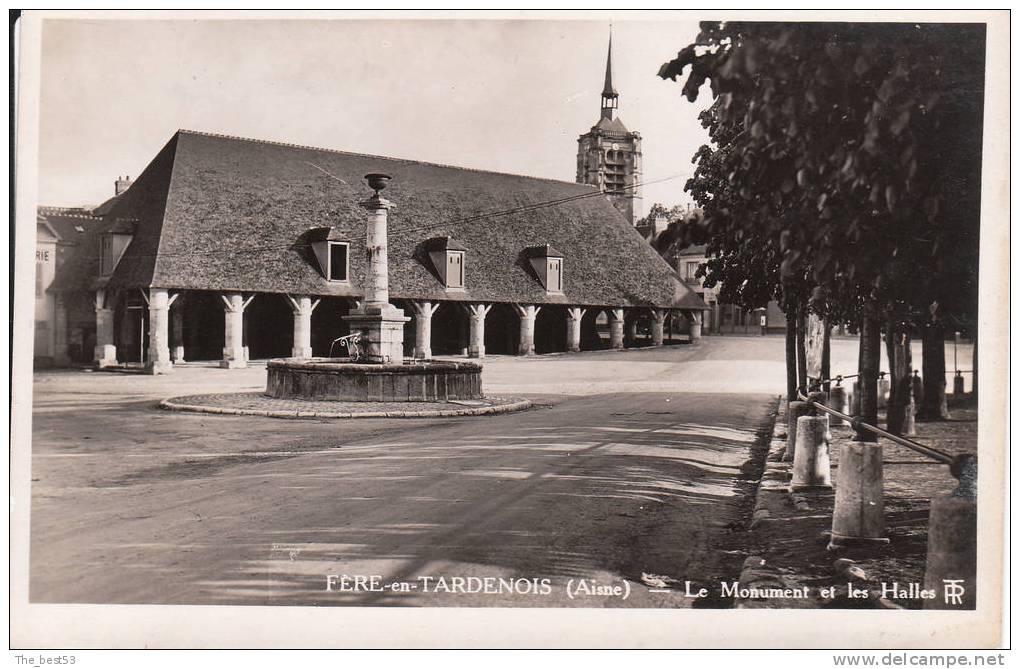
pixel 259 404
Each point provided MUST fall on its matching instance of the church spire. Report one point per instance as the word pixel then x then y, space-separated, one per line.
pixel 610 98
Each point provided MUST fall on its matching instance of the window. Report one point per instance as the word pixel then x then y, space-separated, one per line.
pixel 106 261
pixel 691 271
pixel 38 280
pixel 455 269
pixel 547 264
pixel 555 276
pixel 338 261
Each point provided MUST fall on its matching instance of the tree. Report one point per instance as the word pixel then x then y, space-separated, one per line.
pixel 845 146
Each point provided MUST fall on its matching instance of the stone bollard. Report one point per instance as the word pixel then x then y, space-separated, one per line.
pixel 838 402
pixel 951 566
pixel 794 410
pixel 958 384
pixel 811 458
pixel 883 391
pixel 819 397
pixel 859 514
pixel 909 428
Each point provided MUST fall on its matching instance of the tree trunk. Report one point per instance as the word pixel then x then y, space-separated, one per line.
pixel 933 373
pixel 791 357
pixel 871 355
pixel 897 346
pixel 801 351
pixel 826 355
pixel 855 400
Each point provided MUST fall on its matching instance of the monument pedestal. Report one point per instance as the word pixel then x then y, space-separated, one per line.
pixel 382 332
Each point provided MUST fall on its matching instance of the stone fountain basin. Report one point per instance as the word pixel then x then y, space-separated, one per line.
pixel 343 381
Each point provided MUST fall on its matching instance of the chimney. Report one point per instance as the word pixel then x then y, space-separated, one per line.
pixel 121 185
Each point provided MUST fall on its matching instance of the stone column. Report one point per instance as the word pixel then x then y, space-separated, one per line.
pixel 695 318
pixel 615 328
pixel 158 361
pixel 177 330
pixel 658 321
pixel 380 324
pixel 106 351
pixel 574 316
pixel 233 331
pixel 476 334
pixel 377 281
pixel 526 341
pixel 302 306
pixel 423 310
pixel 60 357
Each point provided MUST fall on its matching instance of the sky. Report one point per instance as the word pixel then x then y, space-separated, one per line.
pixel 507 96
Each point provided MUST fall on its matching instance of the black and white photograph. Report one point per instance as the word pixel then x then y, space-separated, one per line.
pixel 509 329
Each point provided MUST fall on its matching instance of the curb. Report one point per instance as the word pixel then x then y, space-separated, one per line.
pixel 519 405
pixel 774 483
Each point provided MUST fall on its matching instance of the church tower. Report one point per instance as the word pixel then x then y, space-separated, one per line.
pixel 609 155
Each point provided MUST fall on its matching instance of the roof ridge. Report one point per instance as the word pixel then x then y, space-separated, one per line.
pixel 68 212
pixel 372 155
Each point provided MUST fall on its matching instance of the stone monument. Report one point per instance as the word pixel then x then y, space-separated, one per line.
pixel 380 324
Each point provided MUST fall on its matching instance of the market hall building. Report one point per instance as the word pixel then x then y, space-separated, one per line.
pixel 233 249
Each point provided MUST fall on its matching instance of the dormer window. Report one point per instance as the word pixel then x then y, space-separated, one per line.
pixel 554 275
pixel 332 252
pixel 106 261
pixel 338 260
pixel 111 248
pixel 455 269
pixel 548 265
pixel 448 259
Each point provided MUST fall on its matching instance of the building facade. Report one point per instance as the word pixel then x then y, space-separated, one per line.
pixel 230 249
pixel 59 230
pixel 609 155
pixel 719 317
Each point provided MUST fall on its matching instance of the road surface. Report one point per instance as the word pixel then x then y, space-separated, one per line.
pixel 626 480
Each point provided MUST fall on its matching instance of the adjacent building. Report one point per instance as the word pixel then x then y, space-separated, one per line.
pixel 59 231
pixel 721 318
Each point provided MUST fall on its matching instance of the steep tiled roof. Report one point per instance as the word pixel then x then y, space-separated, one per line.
pixel 232 214
pixel 69 223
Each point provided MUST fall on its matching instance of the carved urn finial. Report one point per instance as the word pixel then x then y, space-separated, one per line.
pixel 377 182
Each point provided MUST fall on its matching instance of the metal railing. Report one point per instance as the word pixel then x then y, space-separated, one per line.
pixel 351 342
pixel 963 467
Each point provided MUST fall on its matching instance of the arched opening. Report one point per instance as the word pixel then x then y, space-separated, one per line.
pixel 450 329
pixel 594 330
pixel 551 329
pixel 202 325
pixel 328 324
pixel 269 327
pixel 502 330
pixel 638 326
pixel 410 327
pixel 130 323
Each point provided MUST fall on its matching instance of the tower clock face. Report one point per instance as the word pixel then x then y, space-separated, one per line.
pixel 615 146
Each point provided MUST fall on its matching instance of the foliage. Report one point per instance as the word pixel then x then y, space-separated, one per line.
pixel 844 169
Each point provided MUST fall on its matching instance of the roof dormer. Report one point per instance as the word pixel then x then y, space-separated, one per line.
pixel 113 243
pixel 332 252
pixel 548 265
pixel 447 258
